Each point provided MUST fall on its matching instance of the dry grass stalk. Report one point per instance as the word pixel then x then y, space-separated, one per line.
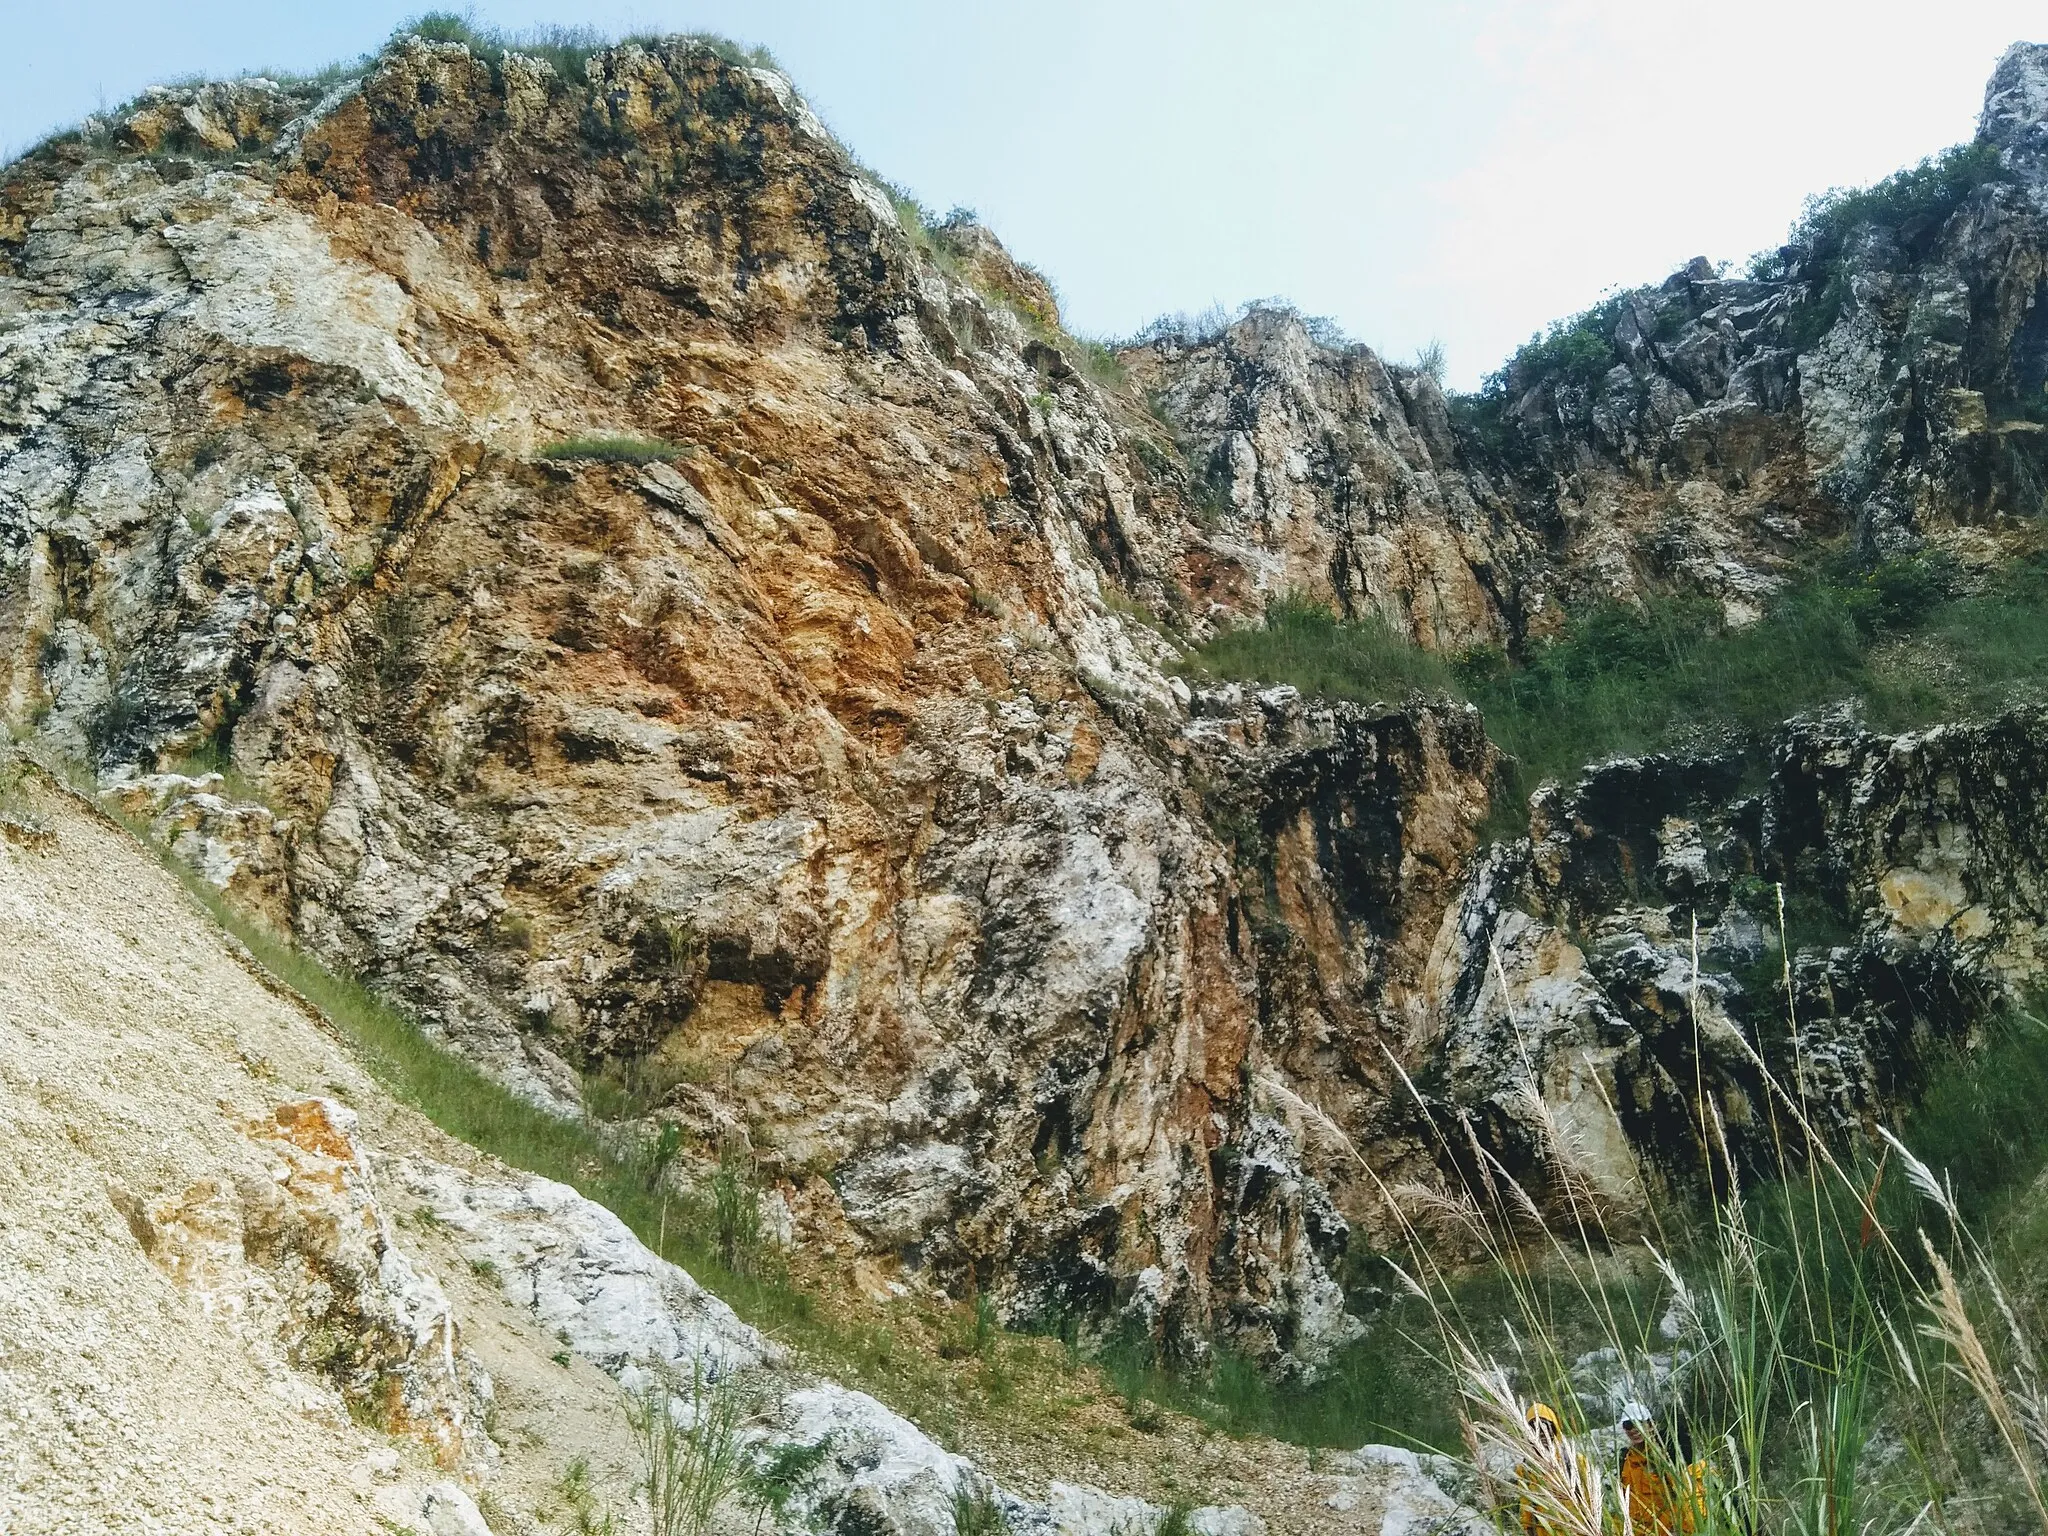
pixel 1563 1489
pixel 1951 1326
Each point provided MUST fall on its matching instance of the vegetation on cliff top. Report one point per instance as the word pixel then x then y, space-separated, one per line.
pixel 566 49
pixel 1912 205
pixel 1912 640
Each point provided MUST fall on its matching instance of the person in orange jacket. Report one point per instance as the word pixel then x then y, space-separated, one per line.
pixel 1645 1477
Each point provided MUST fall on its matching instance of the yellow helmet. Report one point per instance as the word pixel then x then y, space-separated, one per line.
pixel 1543 1413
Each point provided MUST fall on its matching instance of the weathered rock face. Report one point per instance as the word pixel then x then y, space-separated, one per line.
pixel 819 756
pixel 1698 435
pixel 1329 474
pixel 1635 949
pixel 813 759
pixel 235 1305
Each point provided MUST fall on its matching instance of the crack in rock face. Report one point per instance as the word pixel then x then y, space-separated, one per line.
pixel 570 553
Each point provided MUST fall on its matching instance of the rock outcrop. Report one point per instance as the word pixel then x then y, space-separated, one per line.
pixel 234 1305
pixel 1638 947
pixel 302 1252
pixel 584 1276
pixel 558 544
pixel 1882 376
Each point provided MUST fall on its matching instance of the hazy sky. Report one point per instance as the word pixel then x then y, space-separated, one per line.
pixel 1464 170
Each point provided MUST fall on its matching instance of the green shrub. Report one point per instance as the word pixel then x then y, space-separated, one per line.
pixel 1578 349
pixel 779 1478
pixel 1325 657
pixel 1912 204
pixel 616 450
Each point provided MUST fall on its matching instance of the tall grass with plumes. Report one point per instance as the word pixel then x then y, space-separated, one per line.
pixel 1832 1345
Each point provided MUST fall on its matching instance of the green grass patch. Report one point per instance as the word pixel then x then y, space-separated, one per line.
pixel 211 756
pixel 633 1088
pixel 1391 1386
pixel 1901 637
pixel 616 450
pixel 1979 1121
pixel 1816 1284
pixel 1326 657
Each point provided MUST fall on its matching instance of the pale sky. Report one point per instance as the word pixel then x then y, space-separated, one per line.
pixel 1463 170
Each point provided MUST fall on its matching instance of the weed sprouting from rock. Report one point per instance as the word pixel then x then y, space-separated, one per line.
pixel 616 450
pixel 780 1479
pixel 692 1452
pixel 976 1511
pixel 736 1212
pixel 579 1500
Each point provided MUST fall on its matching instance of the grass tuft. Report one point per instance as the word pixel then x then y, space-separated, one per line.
pixel 976 1512
pixel 616 450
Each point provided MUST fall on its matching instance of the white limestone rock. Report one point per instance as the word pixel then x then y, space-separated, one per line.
pixel 885 1474
pixel 583 1274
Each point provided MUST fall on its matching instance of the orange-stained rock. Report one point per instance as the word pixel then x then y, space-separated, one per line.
pixel 673 614
pixel 292 1248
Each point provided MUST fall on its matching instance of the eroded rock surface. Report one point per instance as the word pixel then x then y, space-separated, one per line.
pixel 295 1246
pixel 583 1275
pixel 821 766
pixel 1635 947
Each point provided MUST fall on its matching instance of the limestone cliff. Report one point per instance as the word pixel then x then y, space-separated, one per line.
pixel 821 749
pixel 248 1291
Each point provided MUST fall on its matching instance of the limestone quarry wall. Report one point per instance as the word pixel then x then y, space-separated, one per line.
pixel 834 763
